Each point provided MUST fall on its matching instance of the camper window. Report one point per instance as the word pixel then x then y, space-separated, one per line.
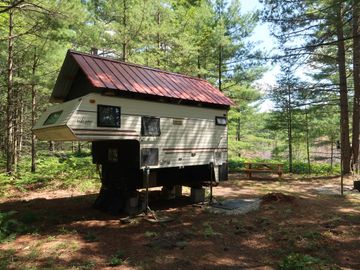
pixel 150 126
pixel 52 118
pixel 220 121
pixel 149 156
pixel 108 116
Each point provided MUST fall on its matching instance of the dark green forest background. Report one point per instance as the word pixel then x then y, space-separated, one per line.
pixel 314 115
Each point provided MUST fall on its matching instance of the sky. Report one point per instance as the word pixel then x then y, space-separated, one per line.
pixel 265 42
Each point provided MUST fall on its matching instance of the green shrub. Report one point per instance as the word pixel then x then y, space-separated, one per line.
pixel 29 217
pixel 70 169
pixel 299 167
pixel 236 163
pixel 9 226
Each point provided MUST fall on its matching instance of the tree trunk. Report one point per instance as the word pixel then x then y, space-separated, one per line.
pixel 20 124
pixel 289 122
pixel 198 64
pixel 344 110
pixel 220 67
pixel 158 37
pixel 124 49
pixel 9 108
pixel 332 154
pixel 79 148
pixel 15 125
pixel 356 76
pixel 307 142
pixel 33 114
pixel 238 129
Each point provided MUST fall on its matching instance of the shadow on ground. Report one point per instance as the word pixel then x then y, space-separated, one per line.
pixel 67 233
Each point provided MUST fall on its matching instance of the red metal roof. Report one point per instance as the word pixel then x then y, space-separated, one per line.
pixel 113 74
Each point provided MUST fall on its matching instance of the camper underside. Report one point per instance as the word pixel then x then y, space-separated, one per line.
pixel 121 175
pixel 121 162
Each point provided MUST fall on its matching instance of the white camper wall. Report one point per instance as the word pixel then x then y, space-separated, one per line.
pixel 197 141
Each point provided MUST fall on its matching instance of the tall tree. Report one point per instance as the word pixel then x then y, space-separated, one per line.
pixel 356 79
pixel 10 142
pixel 344 105
pixel 307 29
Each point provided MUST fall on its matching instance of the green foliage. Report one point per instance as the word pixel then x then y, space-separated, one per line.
pixel 6 257
pixel 236 163
pixel 299 167
pixel 68 170
pixel 90 237
pixel 150 234
pixel 86 265
pixel 209 231
pixel 29 218
pixel 117 259
pixel 297 261
pixel 316 168
pixel 9 226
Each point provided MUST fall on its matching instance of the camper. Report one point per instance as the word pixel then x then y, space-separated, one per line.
pixel 138 118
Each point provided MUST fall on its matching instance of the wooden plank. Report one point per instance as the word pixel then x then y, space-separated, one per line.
pixel 263 163
pixel 260 170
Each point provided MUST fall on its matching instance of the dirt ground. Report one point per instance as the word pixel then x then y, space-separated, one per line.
pixel 65 232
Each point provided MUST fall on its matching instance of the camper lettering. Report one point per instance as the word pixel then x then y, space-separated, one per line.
pixel 84 121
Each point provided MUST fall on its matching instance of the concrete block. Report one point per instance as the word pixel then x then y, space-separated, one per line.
pixel 132 205
pixel 197 195
pixel 133 202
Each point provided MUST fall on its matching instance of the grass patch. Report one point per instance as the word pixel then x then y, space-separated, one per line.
pixel 90 237
pixel 209 231
pixel 297 261
pixel 117 259
pixel 64 230
pixel 84 265
pixel 6 257
pixel 150 234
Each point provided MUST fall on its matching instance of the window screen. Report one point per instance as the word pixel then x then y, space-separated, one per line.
pixel 220 121
pixel 150 126
pixel 108 116
pixel 52 118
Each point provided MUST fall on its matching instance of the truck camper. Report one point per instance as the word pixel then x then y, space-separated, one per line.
pixel 139 118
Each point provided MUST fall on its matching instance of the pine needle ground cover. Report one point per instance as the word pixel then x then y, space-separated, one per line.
pixel 309 231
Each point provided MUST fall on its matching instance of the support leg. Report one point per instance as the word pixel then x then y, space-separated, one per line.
pixel 211 182
pixel 147 175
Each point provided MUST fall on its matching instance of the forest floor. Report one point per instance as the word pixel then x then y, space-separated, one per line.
pixel 312 226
